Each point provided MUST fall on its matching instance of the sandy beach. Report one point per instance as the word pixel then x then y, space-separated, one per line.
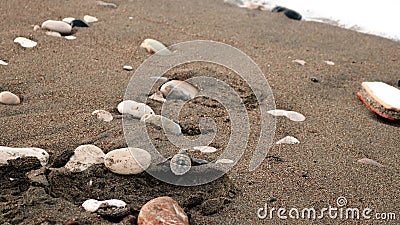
pixel 61 82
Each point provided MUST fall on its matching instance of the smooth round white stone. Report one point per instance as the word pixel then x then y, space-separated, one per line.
pixel 176 89
pixel 168 125
pixel 57 26
pixel 103 115
pixel 84 157
pixel 25 42
pixel 136 109
pixel 127 161
pixel 90 19
pixel 128 68
pixel 7 153
pixel 9 98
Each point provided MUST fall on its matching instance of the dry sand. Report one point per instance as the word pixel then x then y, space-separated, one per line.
pixel 61 82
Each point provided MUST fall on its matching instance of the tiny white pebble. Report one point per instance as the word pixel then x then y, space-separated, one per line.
pixel 299 61
pixel 3 63
pixel 128 68
pixel 90 19
pixel 70 37
pixel 330 63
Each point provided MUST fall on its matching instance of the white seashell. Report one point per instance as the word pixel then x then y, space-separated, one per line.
pixel 329 63
pixel 36 28
pixel 127 160
pixel 370 162
pixel 84 157
pixel 53 34
pixel 288 140
pixel 7 153
pixel 25 42
pixel 90 19
pixel 292 115
pixel 158 96
pixel 299 61
pixel 57 26
pixel 103 115
pixel 168 125
pixel 386 95
pixel 128 68
pixel 3 63
pixel 92 205
pixel 70 37
pixel 224 161
pixel 180 164
pixel 136 109
pixel 9 98
pixel 154 46
pixel 176 89
pixel 205 149
pixel 68 20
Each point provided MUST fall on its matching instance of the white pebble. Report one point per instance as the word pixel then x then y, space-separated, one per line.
pixel 299 61
pixel 7 153
pixel 92 205
pixel 288 140
pixel 36 27
pixel 107 4
pixel 9 98
pixel 370 162
pixel 90 19
pixel 224 161
pixel 68 20
pixel 103 115
pixel 292 115
pixel 205 149
pixel 154 46
pixel 128 68
pixel 168 125
pixel 84 157
pixel 70 37
pixel 53 34
pixel 176 89
pixel 330 63
pixel 25 42
pixel 127 160
pixel 3 63
pixel 57 26
pixel 136 109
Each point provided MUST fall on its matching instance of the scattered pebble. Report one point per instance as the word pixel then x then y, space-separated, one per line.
pixel 107 4
pixel 92 205
pixel 398 83
pixel 158 96
pixel 205 149
pixel 7 153
pixel 292 115
pixel 90 19
pixel 131 18
pixel 370 162
pixel 330 63
pixel 288 140
pixel 53 34
pixel 299 61
pixel 3 63
pixel 25 42
pixel 79 23
pixel 84 157
pixel 136 109
pixel 128 68
pixel 224 161
pixel 68 20
pixel 180 164
pixel 154 46
pixel 127 160
pixel 176 89
pixel 9 98
pixel 36 27
pixel 57 26
pixel 168 125
pixel 70 37
pixel 314 79
pixel 103 115
pixel 162 210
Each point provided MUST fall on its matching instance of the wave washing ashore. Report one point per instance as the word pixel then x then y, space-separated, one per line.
pixel 364 16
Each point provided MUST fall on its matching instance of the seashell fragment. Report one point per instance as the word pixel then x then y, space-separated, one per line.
pixel 3 63
pixel 168 125
pixel 84 157
pixel 292 115
pixel 92 205
pixel 70 37
pixel 136 109
pixel 90 19
pixel 106 4
pixel 7 153
pixel 53 34
pixel 158 96
pixel 205 149
pixel 370 162
pixel 329 63
pixel 9 98
pixel 176 89
pixel 127 160
pixel 57 26
pixel 25 42
pixel 224 161
pixel 299 61
pixel 180 164
pixel 154 46
pixel 103 115
pixel 288 140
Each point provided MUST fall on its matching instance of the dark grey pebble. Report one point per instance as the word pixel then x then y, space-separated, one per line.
pixel 79 23
pixel 398 83
pixel 314 79
pixel 288 12
pixel 273 199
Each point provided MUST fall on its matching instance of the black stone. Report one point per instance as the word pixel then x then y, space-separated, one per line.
pixel 314 79
pixel 79 23
pixel 398 83
pixel 292 14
